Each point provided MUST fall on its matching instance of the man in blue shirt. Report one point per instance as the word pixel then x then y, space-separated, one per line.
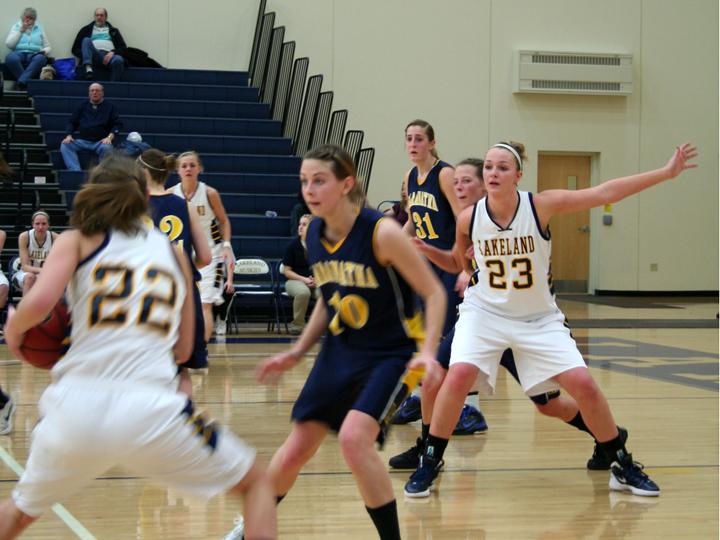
pixel 97 122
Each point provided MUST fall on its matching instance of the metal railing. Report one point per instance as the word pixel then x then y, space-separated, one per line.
pixel 298 102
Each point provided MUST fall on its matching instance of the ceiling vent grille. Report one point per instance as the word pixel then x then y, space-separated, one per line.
pixel 573 73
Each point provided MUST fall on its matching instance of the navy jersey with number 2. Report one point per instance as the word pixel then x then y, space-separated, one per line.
pixel 170 215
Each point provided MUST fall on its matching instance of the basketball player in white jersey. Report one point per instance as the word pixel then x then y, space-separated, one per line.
pixel 34 246
pixel 113 399
pixel 208 205
pixel 511 304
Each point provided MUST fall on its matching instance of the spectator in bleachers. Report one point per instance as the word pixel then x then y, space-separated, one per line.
pixel 4 285
pixel 34 246
pixel 399 209
pixel 97 122
pixel 300 283
pixel 100 44
pixel 30 48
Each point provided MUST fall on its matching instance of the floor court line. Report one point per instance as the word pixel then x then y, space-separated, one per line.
pixel 73 524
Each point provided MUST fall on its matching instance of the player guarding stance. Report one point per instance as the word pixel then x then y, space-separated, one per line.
pixel 511 304
pixel 366 269
pixel 469 189
pixel 432 207
pixel 113 399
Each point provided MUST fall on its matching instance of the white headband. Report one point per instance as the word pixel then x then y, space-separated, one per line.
pixel 148 166
pixel 512 151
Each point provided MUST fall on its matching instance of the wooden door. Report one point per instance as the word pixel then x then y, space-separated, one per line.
pixel 570 232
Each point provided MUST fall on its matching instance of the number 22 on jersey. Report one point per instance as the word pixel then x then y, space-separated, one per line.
pixel 110 305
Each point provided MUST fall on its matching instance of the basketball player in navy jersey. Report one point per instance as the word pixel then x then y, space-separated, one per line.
pixel 366 269
pixel 432 207
pixel 511 304
pixel 171 215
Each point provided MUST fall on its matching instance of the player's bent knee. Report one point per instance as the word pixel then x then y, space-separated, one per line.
pixel 461 377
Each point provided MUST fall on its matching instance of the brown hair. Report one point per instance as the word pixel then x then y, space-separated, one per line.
pixel 157 164
pixel 6 173
pixel 429 131
pixel 341 165
pixel 520 149
pixel 114 197
pixel 474 162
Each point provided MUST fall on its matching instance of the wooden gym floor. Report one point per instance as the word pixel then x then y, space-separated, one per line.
pixel 656 360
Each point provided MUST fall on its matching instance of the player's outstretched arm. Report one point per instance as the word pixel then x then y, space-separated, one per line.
pixel 561 201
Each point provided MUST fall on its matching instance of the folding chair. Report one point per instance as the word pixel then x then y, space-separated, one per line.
pixel 255 292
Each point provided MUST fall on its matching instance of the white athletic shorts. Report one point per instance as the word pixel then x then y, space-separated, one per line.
pixel 3 280
pixel 85 429
pixel 542 348
pixel 212 281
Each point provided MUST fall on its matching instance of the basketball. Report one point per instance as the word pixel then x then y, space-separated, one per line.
pixel 46 343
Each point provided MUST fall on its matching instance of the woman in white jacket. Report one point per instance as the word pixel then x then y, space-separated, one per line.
pixel 30 48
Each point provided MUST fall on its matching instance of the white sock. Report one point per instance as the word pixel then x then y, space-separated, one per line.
pixel 473 400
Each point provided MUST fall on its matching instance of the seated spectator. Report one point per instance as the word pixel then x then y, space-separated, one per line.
pixel 4 284
pixel 100 44
pixel 33 245
pixel 97 122
pixel 300 283
pixel 30 48
pixel 399 209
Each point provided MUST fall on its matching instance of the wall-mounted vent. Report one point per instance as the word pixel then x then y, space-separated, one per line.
pixel 573 73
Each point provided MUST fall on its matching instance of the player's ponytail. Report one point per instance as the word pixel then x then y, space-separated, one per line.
pixel 114 197
pixel 157 164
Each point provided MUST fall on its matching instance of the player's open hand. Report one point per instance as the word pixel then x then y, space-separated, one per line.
pixel 269 370
pixel 434 372
pixel 680 159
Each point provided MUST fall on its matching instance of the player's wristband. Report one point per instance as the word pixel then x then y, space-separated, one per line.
pixel 227 244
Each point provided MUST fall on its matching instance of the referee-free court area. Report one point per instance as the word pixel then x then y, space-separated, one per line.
pixel 525 478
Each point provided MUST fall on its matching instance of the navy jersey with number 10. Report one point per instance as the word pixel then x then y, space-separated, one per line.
pixel 370 306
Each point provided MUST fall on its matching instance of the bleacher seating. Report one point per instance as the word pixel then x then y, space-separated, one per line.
pixel 214 113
